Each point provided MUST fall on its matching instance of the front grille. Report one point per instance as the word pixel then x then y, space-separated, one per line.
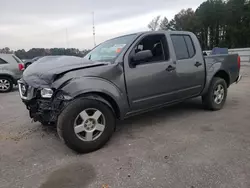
pixel 26 92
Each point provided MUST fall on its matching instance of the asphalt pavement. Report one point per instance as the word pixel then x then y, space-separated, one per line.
pixel 182 146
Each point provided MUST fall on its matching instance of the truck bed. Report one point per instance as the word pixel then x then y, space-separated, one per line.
pixel 226 62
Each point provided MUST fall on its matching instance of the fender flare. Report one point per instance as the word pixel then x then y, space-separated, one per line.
pixel 9 76
pixel 211 72
pixel 98 88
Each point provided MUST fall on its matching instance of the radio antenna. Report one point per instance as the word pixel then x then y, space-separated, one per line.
pixel 93 19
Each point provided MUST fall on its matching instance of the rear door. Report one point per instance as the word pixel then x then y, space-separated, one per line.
pixel 150 83
pixel 4 66
pixel 190 66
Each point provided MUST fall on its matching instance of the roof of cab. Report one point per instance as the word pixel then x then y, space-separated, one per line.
pixel 158 32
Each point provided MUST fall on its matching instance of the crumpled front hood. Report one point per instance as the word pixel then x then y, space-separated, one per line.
pixel 43 72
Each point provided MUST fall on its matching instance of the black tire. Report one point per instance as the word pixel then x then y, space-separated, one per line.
pixel 208 99
pixel 65 125
pixel 10 81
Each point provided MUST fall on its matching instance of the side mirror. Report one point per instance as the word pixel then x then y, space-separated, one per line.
pixel 139 57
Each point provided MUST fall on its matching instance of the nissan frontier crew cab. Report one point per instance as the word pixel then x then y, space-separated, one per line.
pixel 122 77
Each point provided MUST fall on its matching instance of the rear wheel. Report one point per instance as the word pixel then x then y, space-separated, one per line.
pixel 6 84
pixel 216 96
pixel 85 125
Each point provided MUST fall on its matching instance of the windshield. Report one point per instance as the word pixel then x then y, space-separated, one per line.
pixel 109 50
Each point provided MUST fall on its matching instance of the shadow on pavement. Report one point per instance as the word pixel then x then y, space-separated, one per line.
pixel 15 89
pixel 162 113
pixel 144 119
pixel 71 176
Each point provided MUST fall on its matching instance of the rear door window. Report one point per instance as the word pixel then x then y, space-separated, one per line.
pixel 180 47
pixel 190 45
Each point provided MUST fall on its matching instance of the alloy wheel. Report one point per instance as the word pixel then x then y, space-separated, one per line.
pixel 89 124
pixel 4 84
pixel 219 94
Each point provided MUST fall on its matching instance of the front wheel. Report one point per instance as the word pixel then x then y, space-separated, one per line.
pixel 85 125
pixel 216 96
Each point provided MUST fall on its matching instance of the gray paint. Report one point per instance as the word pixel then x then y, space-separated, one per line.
pixel 11 68
pixel 134 89
pixel 244 54
pixel 217 63
pixel 42 73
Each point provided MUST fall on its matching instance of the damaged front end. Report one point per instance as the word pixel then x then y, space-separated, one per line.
pixel 41 86
pixel 41 106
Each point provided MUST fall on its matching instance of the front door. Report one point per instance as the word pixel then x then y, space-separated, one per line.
pixel 151 82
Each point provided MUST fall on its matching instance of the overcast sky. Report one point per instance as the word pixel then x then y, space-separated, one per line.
pixel 68 23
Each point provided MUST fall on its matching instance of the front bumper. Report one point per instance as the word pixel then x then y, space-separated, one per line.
pixel 42 110
pixel 39 110
pixel 45 110
pixel 26 92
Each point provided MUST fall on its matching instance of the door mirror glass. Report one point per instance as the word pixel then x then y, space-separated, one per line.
pixel 141 57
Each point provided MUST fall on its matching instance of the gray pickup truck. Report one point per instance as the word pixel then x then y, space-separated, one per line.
pixel 122 77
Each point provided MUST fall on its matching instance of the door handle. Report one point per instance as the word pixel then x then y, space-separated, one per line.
pixel 197 64
pixel 170 68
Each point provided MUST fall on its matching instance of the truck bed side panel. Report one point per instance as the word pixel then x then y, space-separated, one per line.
pixel 216 63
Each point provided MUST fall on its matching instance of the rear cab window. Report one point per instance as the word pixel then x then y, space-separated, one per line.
pixel 183 46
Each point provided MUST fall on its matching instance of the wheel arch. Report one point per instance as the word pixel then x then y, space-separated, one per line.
pixel 10 77
pixel 221 73
pixel 104 98
pixel 7 76
pixel 102 88
pixel 224 75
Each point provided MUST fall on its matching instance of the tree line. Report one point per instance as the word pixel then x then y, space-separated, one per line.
pixel 216 23
pixel 35 52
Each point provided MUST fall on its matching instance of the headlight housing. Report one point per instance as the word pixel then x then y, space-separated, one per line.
pixel 46 93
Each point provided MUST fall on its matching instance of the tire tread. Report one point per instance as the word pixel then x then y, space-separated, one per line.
pixel 75 143
pixel 207 99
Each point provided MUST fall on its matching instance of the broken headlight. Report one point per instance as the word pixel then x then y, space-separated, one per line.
pixel 46 93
